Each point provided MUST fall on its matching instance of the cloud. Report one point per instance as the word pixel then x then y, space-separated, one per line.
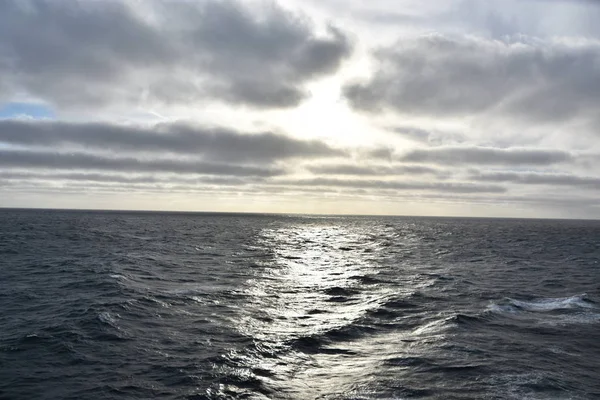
pixel 551 179
pixel 426 136
pixel 214 144
pixel 521 78
pixel 561 201
pixel 81 161
pixel 508 17
pixel 412 133
pixel 77 53
pixel 129 179
pixel 487 156
pixel 448 187
pixel 375 170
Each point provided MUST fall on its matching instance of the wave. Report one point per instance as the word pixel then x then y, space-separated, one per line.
pixel 552 312
pixel 435 327
pixel 106 318
pixel 321 342
pixel 340 291
pixel 514 306
pixel 368 279
pixel 391 313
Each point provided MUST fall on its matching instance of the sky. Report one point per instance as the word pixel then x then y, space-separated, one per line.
pixel 483 108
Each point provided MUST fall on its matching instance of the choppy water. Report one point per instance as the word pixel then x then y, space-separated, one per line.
pixel 101 305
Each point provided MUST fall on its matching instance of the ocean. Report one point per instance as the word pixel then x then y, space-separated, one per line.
pixel 142 305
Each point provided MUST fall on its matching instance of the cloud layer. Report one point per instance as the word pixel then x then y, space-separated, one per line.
pixel 84 161
pixel 487 156
pixel 100 157
pixel 521 78
pixel 214 144
pixel 78 53
pixel 390 107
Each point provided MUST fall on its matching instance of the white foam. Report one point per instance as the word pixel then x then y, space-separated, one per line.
pixel 107 318
pixel 502 309
pixel 571 310
pixel 551 304
pixel 432 328
pixel 512 306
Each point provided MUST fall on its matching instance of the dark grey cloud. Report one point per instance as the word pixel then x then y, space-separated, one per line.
pixel 83 53
pixel 551 179
pixel 41 186
pixel 413 133
pixel 457 156
pixel 115 178
pixel 448 187
pixel 213 144
pixel 25 159
pixel 371 170
pixel 525 78
pixel 427 136
pixel 379 153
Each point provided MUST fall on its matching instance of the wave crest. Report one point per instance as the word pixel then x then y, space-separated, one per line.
pixel 543 305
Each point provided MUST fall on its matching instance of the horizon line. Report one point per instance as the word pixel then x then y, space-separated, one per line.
pixel 283 214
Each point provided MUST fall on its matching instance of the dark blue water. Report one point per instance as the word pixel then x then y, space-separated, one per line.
pixel 110 305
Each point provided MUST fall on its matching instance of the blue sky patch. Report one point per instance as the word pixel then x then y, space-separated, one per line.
pixel 19 110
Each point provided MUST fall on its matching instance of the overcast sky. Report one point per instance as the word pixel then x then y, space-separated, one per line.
pixel 453 107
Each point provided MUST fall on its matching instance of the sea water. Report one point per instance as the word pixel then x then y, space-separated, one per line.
pixel 124 305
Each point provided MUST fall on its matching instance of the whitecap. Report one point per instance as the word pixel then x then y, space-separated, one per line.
pixel 553 311
pixel 502 309
pixel 107 318
pixel 513 306
pixel 432 328
pixel 552 304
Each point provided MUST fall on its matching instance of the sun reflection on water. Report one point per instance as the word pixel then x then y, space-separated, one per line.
pixel 324 308
pixel 309 291
pixel 309 286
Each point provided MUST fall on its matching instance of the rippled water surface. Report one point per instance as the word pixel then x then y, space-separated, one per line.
pixel 110 305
